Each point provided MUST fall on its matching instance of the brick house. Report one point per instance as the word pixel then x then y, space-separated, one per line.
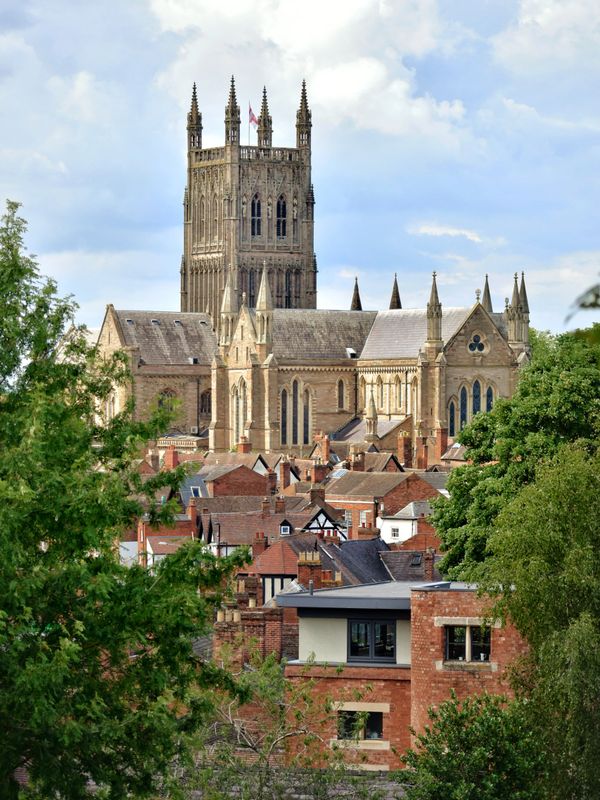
pixel 410 643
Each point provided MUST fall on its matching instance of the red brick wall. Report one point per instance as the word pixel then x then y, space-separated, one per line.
pixel 241 481
pixel 424 538
pixel 432 680
pixel 388 685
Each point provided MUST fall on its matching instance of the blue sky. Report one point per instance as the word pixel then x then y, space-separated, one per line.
pixel 461 136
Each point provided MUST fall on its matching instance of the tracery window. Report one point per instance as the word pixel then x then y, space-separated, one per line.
pixel 166 399
pixel 306 417
pixel 256 216
pixel 281 217
pixel 284 416
pixel 251 288
pixel 205 402
pixel 288 289
pixel 295 412
pixel 476 344
pixel 489 399
pixel 379 393
pixel 463 407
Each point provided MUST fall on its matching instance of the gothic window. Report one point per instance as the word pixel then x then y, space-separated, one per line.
pixel 489 399
pixel 476 398
pixel 476 345
pixel 452 419
pixel 297 289
pixel 281 217
pixel 340 393
pixel 284 416
pixel 202 218
pixel 362 393
pixel 166 399
pixel 295 219
pixel 205 403
pixel 251 288
pixel 398 392
pixel 379 393
pixel 288 289
pixel 306 417
pixel 463 407
pixel 295 412
pixel 256 216
pixel 215 220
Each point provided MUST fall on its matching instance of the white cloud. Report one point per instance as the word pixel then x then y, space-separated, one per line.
pixel 551 35
pixel 433 229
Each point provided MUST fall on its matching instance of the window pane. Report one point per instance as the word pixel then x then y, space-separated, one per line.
pixel 383 640
pixel 480 644
pixel 348 725
pixel 456 643
pixel 374 725
pixel 359 640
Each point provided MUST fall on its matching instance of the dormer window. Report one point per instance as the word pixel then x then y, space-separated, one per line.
pixel 155 321
pixel 285 528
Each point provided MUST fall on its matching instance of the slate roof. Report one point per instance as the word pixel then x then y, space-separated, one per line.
pixel 315 334
pixel 362 557
pixel 456 452
pixel 356 430
pixel 175 338
pixel 436 479
pixel 402 566
pixel 377 462
pixel 400 333
pixel 246 503
pixel 414 510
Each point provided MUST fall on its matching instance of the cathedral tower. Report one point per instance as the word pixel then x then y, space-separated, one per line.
pixel 245 207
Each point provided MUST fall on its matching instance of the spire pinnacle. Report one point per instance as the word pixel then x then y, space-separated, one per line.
pixel 434 314
pixel 194 122
pixel 194 105
pixel 356 305
pixel 515 302
pixel 232 102
pixel 486 300
pixel 372 408
pixel 229 303
pixel 395 299
pixel 264 301
pixel 232 117
pixel 523 295
pixel 303 120
pixel 265 124
pixel 434 299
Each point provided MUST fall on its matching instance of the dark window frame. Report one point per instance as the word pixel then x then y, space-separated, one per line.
pixel 477 641
pixel 371 657
pixel 359 725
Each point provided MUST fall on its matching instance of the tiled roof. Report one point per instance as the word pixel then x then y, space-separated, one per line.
pixel 436 479
pixel 356 430
pixel 362 558
pixel 173 338
pixel 314 334
pixel 377 462
pixel 456 452
pixel 365 484
pixel 164 545
pixel 401 333
pixel 278 559
pixel 414 510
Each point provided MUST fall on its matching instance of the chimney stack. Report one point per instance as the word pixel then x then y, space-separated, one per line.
pixel 271 478
pixel 284 474
pixel 244 446
pixel 259 545
pixel 310 571
pixel 171 458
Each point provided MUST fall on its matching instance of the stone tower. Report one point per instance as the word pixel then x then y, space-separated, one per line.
pixel 248 208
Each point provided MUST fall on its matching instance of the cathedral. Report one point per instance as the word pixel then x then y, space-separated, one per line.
pixel 249 358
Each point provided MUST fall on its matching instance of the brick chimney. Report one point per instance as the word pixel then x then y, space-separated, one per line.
pixel 244 446
pixel 309 569
pixel 280 505
pixel 191 511
pixel 404 449
pixel 325 448
pixel 357 462
pixel 316 493
pixel 422 452
pixel 266 506
pixel 171 458
pixel 367 533
pixel 318 472
pixel 429 564
pixel 284 474
pixel 271 479
pixel 259 545
pixel 441 442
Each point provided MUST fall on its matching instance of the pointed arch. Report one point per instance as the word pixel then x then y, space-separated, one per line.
pixel 166 399
pixel 205 403
pixel 202 218
pixel 251 288
pixel 489 398
pixel 306 416
pixel 398 392
pixel 281 226
pixel 451 418
pixel 284 416
pixel 215 218
pixel 476 397
pixel 295 404
pixel 463 407
pixel 379 392
pixel 255 216
pixel 362 393
pixel 341 394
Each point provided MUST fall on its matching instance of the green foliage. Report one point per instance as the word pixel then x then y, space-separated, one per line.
pixel 97 673
pixel 557 401
pixel 544 569
pixel 477 749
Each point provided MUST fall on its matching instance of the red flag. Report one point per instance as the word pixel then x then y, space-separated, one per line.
pixel 252 117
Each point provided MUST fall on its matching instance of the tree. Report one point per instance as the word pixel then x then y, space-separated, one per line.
pixel 98 683
pixel 557 400
pixel 477 749
pixel 543 567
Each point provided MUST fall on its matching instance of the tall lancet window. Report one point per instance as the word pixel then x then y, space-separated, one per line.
pixel 306 417
pixel 295 412
pixel 281 217
pixel 288 289
pixel 463 407
pixel 251 288
pixel 452 419
pixel 476 398
pixel 489 399
pixel 256 216
pixel 284 417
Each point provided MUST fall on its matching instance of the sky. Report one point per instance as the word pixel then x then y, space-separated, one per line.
pixel 456 136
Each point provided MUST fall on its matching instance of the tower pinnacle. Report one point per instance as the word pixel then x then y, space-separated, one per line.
pixel 486 300
pixel 356 305
pixel 434 314
pixel 395 302
pixel 265 124
pixel 303 121
pixel 194 122
pixel 232 117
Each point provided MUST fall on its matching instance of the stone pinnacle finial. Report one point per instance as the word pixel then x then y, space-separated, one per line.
pixel 264 109
pixel 515 302
pixel 232 103
pixel 434 299
pixel 395 302
pixel 264 300
pixel 356 304
pixel 523 295
pixel 194 105
pixel 487 298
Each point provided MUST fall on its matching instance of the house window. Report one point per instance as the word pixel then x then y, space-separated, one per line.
pixel 348 518
pixel 363 519
pixel 284 530
pixel 371 640
pixel 395 533
pixel 360 724
pixel 468 643
pixel 196 491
